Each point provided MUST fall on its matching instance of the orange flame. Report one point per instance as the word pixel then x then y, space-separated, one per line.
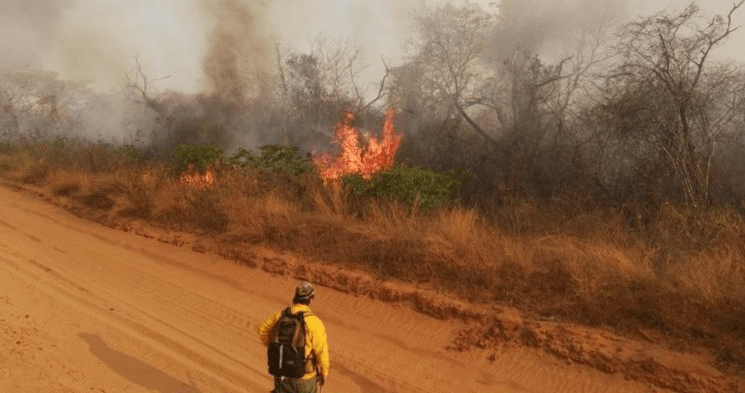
pixel 197 180
pixel 375 155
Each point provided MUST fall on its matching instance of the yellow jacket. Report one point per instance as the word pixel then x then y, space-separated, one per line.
pixel 315 337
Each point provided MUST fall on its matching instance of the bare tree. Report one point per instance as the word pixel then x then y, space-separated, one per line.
pixel 447 63
pixel 517 106
pixel 142 84
pixel 665 90
pixel 312 89
pixel 36 102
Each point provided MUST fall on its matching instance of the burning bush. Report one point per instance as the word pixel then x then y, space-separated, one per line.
pixel 367 165
pixel 360 155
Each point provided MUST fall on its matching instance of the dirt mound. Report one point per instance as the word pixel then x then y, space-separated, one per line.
pixel 647 360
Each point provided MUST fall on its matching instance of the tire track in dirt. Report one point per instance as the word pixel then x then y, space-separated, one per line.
pixel 137 286
pixel 111 274
pixel 116 274
pixel 185 305
pixel 213 372
pixel 146 287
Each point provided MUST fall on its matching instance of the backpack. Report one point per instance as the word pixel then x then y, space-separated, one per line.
pixel 286 350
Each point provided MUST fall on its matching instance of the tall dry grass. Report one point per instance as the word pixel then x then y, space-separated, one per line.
pixel 679 272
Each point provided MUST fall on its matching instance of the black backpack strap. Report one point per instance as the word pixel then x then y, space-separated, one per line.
pixel 301 315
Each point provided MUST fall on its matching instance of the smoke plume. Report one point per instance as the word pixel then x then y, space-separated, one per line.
pixel 238 53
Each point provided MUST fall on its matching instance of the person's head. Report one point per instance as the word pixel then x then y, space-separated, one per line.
pixel 304 293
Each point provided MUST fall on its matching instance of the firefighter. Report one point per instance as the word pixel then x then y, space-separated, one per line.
pixel 277 333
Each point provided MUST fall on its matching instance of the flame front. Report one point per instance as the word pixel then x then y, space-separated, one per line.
pixel 365 159
pixel 198 180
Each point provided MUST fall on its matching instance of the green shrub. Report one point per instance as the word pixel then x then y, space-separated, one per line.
pixel 200 156
pixel 417 186
pixel 130 153
pixel 283 157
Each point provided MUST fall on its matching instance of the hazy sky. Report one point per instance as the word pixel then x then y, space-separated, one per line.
pixel 95 40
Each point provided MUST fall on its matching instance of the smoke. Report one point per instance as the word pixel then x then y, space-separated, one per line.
pixel 238 52
pixel 214 58
pixel 193 41
pixel 550 27
pixel 95 41
pixel 27 24
pixel 200 58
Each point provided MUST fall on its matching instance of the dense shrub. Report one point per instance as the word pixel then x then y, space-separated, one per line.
pixel 200 156
pixel 283 157
pixel 418 187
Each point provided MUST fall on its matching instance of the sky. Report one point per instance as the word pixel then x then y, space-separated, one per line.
pixel 97 40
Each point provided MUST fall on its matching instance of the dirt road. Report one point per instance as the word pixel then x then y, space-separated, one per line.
pixel 85 308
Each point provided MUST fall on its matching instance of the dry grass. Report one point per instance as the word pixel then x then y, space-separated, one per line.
pixel 626 267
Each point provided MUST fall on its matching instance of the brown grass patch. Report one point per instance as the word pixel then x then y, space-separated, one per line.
pixel 629 268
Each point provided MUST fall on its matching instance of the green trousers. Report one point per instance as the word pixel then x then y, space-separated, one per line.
pixel 294 385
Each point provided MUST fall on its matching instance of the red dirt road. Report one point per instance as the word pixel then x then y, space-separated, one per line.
pixel 85 308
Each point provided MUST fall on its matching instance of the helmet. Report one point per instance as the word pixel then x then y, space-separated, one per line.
pixel 304 291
